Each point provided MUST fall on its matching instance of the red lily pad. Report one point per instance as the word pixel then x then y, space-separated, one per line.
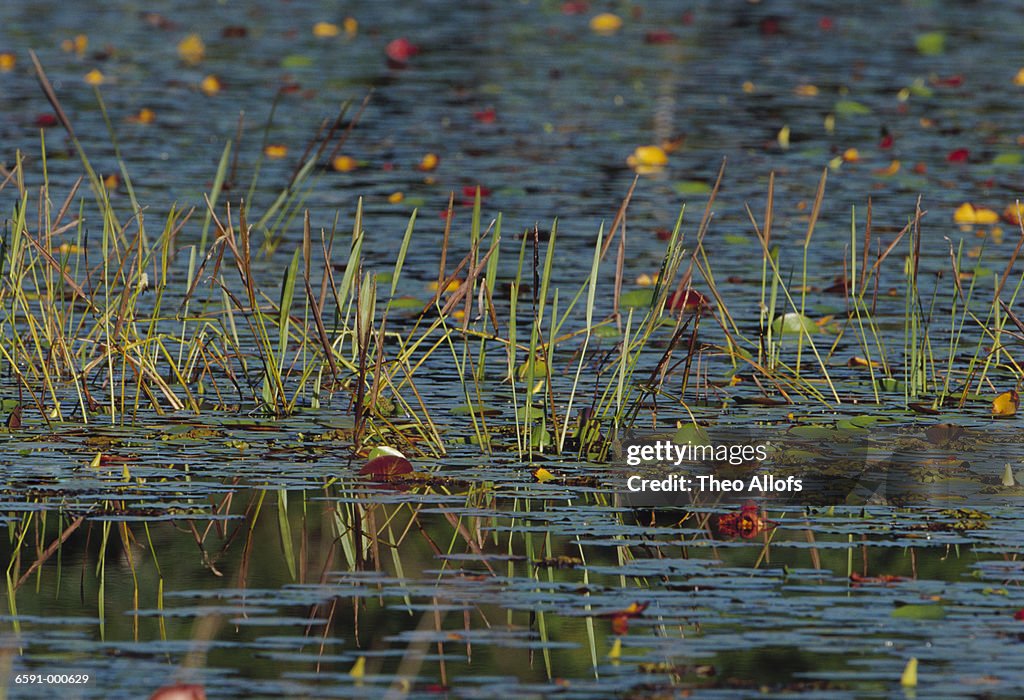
pixel 960 155
pixel 386 468
pixel 399 51
pixel 687 300
pixel 486 116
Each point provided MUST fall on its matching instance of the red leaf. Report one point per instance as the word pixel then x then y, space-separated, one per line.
pixel 486 116
pixel 687 300
pixel 469 192
pixel 575 8
pixel 746 523
pixel 886 141
pixel 1019 615
pixel 948 81
pixel 826 24
pixel 620 618
pixel 659 36
pixel 960 155
pixel 386 467
pixel 45 120
pixel 399 51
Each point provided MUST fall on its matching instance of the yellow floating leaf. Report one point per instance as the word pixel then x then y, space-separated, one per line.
pixel 351 26
pixel 748 87
pixel 325 30
pixel 606 23
pixel 1012 213
pixel 649 157
pixel 452 286
pixel 965 214
pixel 344 164
pixel 358 669
pixel 986 216
pixel 646 280
pixel 112 181
pixel 94 77
pixel 191 49
pixel 851 155
pixel 275 150
pixel 145 116
pixel 7 61
pixel 429 162
pixel 211 85
pixel 783 138
pixel 1019 78
pixel 830 123
pixel 861 362
pixel 395 197
pixel 909 677
pixel 616 653
pixel 889 170
pixel 1006 404
pixel 68 249
pixel 77 45
pixel 806 90
pixel 974 252
pixel 543 476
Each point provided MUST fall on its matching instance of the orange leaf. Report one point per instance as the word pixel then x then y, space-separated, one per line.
pixel 1006 404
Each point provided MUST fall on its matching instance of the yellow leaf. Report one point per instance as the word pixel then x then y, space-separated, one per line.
pixel 211 85
pixel 94 77
pixel 452 286
pixel 1006 404
pixel 112 181
pixel 986 216
pixel 1012 213
pixel 861 362
pixel 77 45
pixel 783 138
pixel 616 653
pixel 429 162
pixel 645 280
pixel 7 61
pixel 806 90
pixel 358 669
pixel 275 150
pixel 351 26
pixel 1019 78
pixel 748 86
pixel 344 164
pixel 68 249
pixel 830 123
pixel 851 155
pixel 965 214
pixel 889 170
pixel 395 197
pixel 606 23
pixel 543 475
pixel 191 49
pixel 325 30
pixel 648 157
pixel 145 116
pixel 125 474
pixel 909 677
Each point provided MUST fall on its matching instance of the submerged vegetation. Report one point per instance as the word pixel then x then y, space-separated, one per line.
pixel 131 337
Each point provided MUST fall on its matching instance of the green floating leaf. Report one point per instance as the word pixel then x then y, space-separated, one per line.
pixel 930 43
pixel 920 612
pixel 637 298
pixel 851 108
pixel 399 303
pixel 813 432
pixel 794 323
pixel 692 187
pixel 478 409
pixel 540 437
pixel 296 60
pixel 606 331
pixel 735 239
pixel 1010 158
pixel 693 434
pixel 920 89
pixel 531 412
